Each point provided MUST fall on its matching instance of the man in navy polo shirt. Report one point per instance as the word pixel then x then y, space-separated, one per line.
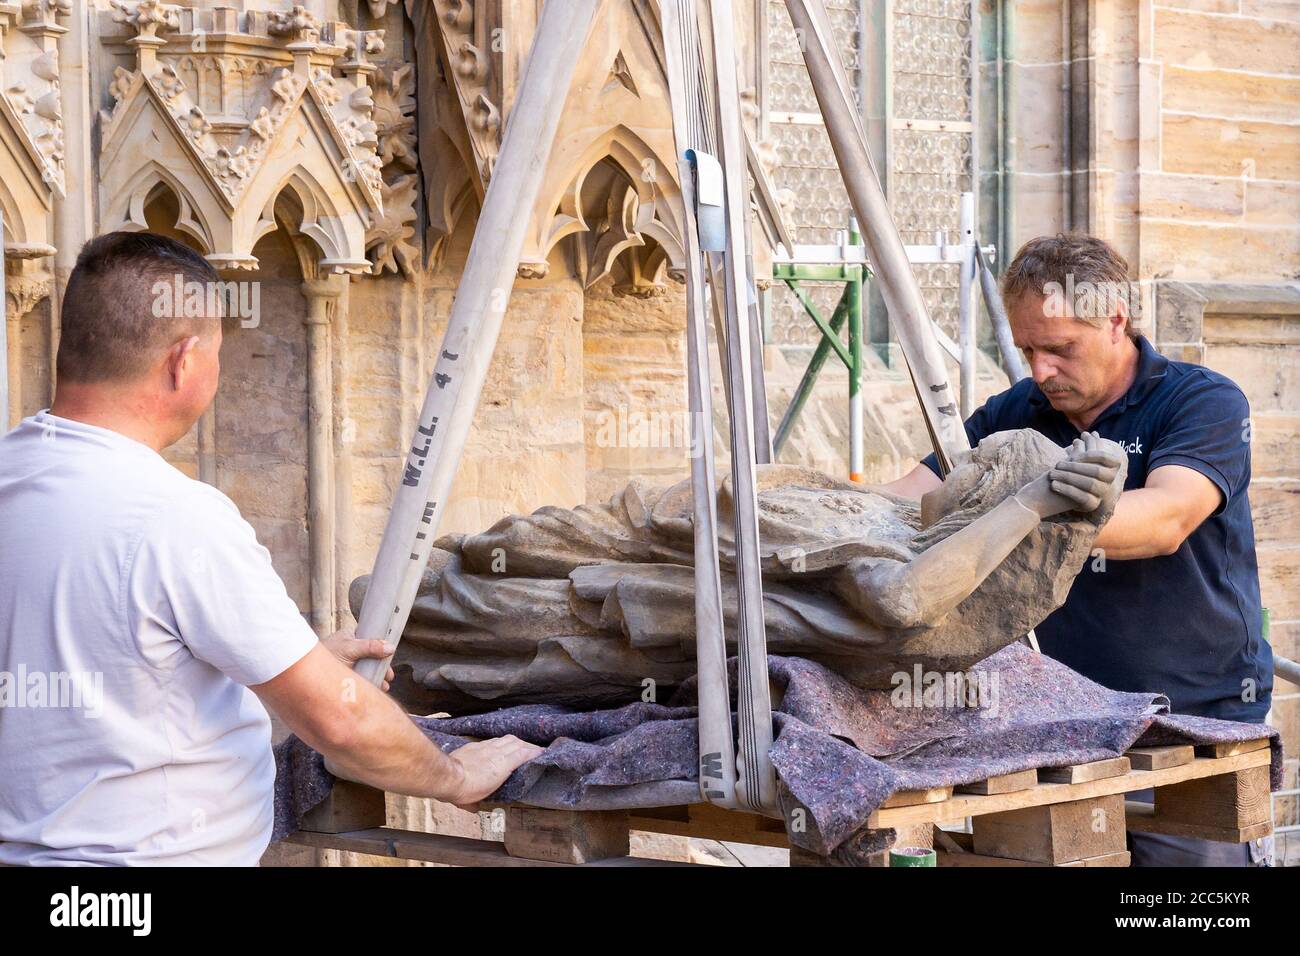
pixel 1170 600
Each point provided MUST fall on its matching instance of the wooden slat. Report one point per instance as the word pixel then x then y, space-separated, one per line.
pixel 962 805
pixel 349 806
pixel 1003 783
pixel 910 798
pixel 1084 772
pixel 440 848
pixel 1142 818
pixel 1158 758
pixel 707 822
pixel 1219 751
pixel 566 836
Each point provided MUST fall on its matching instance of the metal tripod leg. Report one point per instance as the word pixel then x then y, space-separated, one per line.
pixel 473 326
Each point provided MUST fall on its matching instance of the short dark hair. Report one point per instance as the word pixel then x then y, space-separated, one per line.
pixel 1073 261
pixel 109 325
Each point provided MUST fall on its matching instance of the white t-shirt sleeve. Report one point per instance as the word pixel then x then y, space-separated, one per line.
pixel 200 573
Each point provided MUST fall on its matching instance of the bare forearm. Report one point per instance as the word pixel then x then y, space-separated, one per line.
pixel 388 751
pixel 1146 524
pixel 362 733
pixel 913 484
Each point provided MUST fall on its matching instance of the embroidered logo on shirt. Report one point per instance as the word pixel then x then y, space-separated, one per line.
pixel 1133 447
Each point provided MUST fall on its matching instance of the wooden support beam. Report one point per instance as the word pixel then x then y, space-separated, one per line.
pixel 566 836
pixel 1227 801
pixel 1144 818
pixel 1056 833
pixel 708 822
pixel 956 850
pixel 1122 858
pixel 349 806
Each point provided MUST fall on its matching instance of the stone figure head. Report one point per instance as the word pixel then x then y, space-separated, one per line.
pixel 1000 465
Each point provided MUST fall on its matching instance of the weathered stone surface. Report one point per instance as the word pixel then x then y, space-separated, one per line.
pixel 594 605
pixel 1232 43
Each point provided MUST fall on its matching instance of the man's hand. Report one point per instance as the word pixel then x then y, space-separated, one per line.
pixel 1084 482
pixel 344 645
pixel 1088 476
pixel 364 735
pixel 486 765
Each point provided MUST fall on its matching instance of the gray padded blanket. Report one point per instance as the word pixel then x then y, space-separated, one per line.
pixel 839 752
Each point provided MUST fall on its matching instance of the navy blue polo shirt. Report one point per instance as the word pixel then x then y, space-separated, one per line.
pixel 1187 624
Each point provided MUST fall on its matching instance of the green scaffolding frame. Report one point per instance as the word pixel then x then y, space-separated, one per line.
pixel 849 308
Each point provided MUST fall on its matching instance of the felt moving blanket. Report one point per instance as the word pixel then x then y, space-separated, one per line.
pixel 839 752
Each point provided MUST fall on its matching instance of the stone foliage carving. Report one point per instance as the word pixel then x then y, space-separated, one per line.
pixel 392 243
pixel 29 85
pixel 245 105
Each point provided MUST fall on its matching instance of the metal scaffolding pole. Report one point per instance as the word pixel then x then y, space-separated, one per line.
pixel 474 325
pixel 755 777
pixel 717 746
pixel 885 249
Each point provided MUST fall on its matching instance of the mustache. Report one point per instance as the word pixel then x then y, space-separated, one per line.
pixel 1050 388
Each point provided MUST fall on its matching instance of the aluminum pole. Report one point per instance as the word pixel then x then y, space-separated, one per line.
pixel 755 777
pixel 885 249
pixel 474 324
pixel 717 746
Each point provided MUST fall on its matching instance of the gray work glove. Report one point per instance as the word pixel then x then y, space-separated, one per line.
pixel 1090 479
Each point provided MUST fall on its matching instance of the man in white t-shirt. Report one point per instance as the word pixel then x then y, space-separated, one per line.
pixel 142 626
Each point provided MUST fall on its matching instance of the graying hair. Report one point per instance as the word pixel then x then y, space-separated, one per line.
pixel 1081 270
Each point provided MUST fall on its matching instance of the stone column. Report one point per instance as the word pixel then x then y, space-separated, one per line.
pixel 344 436
pixel 322 296
pixel 22 294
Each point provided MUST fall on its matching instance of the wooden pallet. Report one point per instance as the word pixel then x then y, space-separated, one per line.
pixel 1061 816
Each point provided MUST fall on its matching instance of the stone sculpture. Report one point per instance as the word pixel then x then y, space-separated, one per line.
pixel 594 606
